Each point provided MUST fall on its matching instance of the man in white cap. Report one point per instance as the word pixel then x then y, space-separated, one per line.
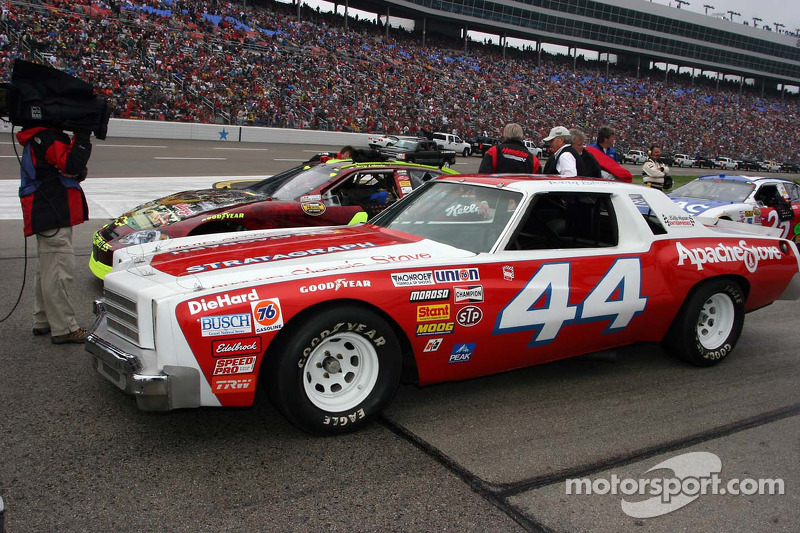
pixel 564 160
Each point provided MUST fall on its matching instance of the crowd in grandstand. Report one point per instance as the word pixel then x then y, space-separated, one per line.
pixel 204 61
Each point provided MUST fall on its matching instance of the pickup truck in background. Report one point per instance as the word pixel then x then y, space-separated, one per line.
pixel 421 151
pixel 635 157
pixel 449 141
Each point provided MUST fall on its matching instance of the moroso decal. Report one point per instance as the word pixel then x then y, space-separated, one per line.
pixel 278 257
pixel 230 347
pixel 407 279
pixel 470 293
pixel 217 325
pixel 431 295
pixel 462 353
pixel 747 254
pixel 456 274
pixel 234 365
pixel 430 313
pixel 469 316
pixel 230 385
pixel 435 328
pixel 267 315
pixel 221 300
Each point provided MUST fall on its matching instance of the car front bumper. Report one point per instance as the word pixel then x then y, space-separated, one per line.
pixel 121 363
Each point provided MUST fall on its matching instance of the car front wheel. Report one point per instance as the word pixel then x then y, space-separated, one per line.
pixel 336 372
pixel 709 323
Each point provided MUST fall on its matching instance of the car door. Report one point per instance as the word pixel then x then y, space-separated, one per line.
pixel 777 211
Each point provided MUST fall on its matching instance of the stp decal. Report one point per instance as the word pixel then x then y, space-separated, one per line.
pixel 267 315
pixel 229 385
pixel 469 316
pixel 214 326
pixel 462 353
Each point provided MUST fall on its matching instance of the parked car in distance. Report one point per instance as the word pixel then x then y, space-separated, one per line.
pixel 790 167
pixel 683 160
pixel 748 164
pixel 448 141
pixel 725 163
pixel 769 166
pixel 421 151
pixel 705 162
pixel 481 143
pixel 533 148
pixel 635 157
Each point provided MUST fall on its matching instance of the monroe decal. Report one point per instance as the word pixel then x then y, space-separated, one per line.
pixel 745 253
pixel 278 257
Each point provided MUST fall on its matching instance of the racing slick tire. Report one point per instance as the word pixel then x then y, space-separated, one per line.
pixel 335 372
pixel 709 323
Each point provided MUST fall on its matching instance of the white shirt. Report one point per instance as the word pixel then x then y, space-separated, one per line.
pixel 566 165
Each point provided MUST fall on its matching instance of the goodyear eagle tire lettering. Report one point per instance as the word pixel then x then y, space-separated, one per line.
pixel 335 372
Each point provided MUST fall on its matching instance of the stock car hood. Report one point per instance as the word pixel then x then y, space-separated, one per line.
pixel 182 205
pixel 243 257
pixel 695 206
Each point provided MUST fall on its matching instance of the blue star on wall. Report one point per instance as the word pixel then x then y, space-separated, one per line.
pixel 223 135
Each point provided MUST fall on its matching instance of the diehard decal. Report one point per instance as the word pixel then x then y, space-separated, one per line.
pixel 217 325
pixel 431 295
pixel 430 313
pixel 462 353
pixel 230 347
pixel 469 316
pixel 221 300
pixel 267 315
pixel 470 293
pixel 408 279
pixel 234 365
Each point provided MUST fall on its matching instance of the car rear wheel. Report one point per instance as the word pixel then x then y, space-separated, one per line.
pixel 336 372
pixel 709 323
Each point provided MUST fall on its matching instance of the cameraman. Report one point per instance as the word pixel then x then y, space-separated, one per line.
pixel 655 174
pixel 52 202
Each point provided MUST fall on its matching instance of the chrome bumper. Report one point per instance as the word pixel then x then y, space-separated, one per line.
pixel 176 387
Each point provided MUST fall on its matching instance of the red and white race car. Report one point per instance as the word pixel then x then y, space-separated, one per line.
pixel 468 276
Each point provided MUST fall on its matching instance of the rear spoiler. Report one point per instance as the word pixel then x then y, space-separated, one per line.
pixel 739 227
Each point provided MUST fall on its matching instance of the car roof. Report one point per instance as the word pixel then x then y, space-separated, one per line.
pixel 754 179
pixel 539 183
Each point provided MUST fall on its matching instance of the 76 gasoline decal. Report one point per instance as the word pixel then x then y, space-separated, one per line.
pixel 267 315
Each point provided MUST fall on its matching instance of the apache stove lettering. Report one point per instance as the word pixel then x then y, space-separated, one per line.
pixel 222 300
pixel 747 254
pixel 278 257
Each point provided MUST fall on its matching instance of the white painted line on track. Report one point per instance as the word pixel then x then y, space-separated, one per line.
pixel 131 145
pixel 9 156
pixel 246 149
pixel 301 160
pixel 193 158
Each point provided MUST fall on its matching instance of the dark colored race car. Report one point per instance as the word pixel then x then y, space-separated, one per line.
pixel 332 192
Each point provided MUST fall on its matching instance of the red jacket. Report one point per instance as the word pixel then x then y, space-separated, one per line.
pixel 52 169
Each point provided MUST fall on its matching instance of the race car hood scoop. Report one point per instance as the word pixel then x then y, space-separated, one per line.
pixel 176 207
pixel 300 251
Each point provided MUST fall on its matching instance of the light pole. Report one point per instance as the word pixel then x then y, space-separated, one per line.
pixel 708 7
pixel 755 20
pixel 682 3
pixel 732 13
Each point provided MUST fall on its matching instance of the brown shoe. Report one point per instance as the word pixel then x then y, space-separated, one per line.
pixel 41 330
pixel 78 337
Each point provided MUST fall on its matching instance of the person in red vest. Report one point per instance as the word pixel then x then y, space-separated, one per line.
pixel 53 165
pixel 510 157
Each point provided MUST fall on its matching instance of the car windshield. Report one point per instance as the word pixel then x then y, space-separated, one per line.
pixel 411 145
pixel 719 190
pixel 467 216
pixel 294 182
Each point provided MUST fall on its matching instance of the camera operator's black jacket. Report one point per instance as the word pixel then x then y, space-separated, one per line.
pixel 52 168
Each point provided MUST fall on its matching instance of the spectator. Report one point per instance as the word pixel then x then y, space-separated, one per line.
pixel 590 165
pixel 655 173
pixel 510 157
pixel 52 202
pixel 564 160
pixel 606 137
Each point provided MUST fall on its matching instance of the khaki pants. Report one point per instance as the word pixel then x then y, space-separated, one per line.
pixel 53 282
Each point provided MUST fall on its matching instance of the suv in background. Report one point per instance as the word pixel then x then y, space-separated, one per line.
pixel 635 157
pixel 449 141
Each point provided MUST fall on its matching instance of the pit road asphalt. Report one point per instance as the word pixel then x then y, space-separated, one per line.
pixel 488 454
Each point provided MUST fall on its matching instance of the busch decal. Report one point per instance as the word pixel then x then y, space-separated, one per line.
pixel 432 295
pixel 469 316
pixel 234 365
pixel 470 293
pixel 221 300
pixel 462 353
pixel 267 315
pixel 230 347
pixel 228 385
pixel 457 274
pixel 749 255
pixel 433 344
pixel 408 279
pixel 217 325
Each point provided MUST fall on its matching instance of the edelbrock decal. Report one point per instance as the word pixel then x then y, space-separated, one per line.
pixel 230 347
pixel 747 254
pixel 221 300
pixel 408 279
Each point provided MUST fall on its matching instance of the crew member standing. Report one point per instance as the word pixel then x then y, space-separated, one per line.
pixel 564 160
pixel 655 174
pixel 510 157
pixel 52 202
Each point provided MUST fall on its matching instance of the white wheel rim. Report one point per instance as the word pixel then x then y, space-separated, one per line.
pixel 341 372
pixel 715 322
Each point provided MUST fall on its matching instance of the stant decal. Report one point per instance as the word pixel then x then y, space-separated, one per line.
pixel 336 285
pixel 462 353
pixel 314 209
pixel 408 279
pixel 267 315
pixel 429 313
pixel 431 295
pixel 470 293
pixel 469 316
pixel 234 365
pixel 221 300
pixel 456 274
pixel 214 326
pixel 435 328
pixel 230 347
pixel 433 344
pixel 747 254
pixel 230 385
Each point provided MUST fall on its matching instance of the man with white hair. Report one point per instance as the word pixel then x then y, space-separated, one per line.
pixel 564 160
pixel 511 157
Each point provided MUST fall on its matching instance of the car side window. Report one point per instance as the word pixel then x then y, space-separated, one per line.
pixel 567 220
pixel 372 191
